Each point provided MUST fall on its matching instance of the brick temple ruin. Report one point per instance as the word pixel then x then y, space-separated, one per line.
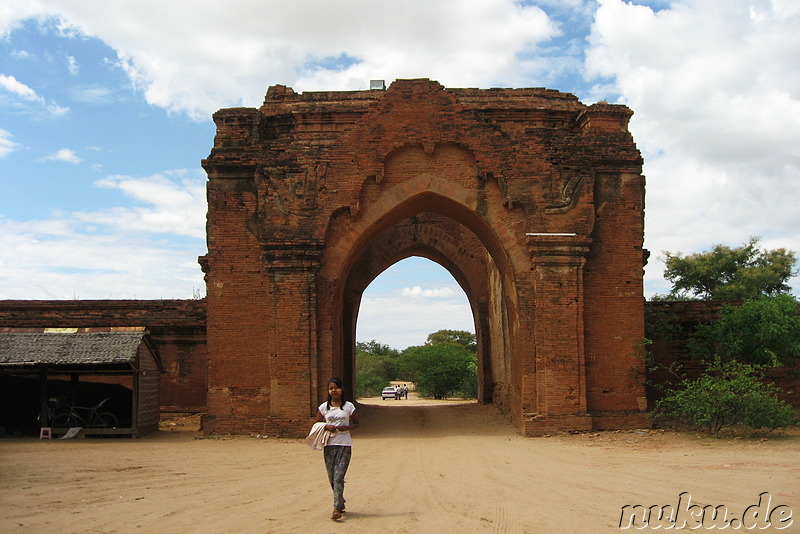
pixel 532 200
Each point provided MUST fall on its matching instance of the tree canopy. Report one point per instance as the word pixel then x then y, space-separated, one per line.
pixel 726 273
pixel 454 337
pixel 445 365
pixel 375 348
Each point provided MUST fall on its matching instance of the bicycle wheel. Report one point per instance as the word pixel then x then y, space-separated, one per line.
pixel 108 420
pixel 65 420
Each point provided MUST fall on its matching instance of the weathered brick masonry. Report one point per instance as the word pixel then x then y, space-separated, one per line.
pixel 531 199
pixel 178 328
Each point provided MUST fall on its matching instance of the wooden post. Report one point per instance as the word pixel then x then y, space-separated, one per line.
pixel 45 415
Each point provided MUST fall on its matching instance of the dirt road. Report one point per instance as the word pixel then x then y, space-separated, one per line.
pixel 416 468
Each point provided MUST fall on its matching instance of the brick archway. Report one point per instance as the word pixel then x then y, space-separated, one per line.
pixel 458 250
pixel 532 200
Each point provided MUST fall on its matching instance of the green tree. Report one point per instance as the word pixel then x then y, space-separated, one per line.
pixel 378 349
pixel 376 365
pixel 725 273
pixel 765 331
pixel 454 337
pixel 728 393
pixel 439 370
pixel 372 374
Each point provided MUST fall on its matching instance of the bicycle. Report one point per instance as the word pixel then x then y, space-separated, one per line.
pixel 92 418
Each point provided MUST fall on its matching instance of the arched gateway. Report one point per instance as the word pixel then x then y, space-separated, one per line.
pixel 532 200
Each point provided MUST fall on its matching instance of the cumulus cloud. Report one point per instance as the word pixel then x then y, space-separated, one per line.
pixel 177 202
pixel 72 65
pixel 110 253
pixel 401 322
pixel 713 84
pixel 716 95
pixel 65 154
pixel 91 264
pixel 400 315
pixel 211 55
pixel 418 292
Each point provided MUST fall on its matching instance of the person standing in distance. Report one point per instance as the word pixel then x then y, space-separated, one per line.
pixel 340 417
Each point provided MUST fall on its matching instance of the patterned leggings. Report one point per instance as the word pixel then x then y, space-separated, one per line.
pixel 337 459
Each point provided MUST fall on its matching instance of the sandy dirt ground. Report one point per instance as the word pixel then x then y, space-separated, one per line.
pixel 416 467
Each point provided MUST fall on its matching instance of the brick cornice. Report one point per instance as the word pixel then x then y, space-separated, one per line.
pixel 558 248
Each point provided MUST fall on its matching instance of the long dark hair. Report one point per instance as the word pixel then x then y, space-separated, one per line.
pixel 338 382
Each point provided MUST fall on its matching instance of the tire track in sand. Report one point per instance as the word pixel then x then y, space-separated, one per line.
pixel 474 452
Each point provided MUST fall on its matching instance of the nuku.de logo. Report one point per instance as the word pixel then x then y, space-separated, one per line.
pixel 686 515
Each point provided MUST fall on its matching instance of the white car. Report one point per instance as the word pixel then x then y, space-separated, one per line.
pixel 389 393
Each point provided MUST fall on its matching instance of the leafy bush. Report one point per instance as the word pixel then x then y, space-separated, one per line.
pixel 728 393
pixel 765 331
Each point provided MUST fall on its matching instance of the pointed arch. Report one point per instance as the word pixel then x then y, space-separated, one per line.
pixel 444 230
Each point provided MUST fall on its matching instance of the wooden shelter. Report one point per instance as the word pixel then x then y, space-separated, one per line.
pixel 119 363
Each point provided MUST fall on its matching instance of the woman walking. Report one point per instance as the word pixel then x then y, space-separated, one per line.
pixel 340 417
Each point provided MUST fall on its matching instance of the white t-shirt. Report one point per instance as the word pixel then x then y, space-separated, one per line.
pixel 339 417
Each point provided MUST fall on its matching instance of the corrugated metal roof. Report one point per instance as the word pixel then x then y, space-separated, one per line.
pixel 69 349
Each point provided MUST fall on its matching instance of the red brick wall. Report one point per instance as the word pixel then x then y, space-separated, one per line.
pixel 615 303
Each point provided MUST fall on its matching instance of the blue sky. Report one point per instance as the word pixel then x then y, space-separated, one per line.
pixel 105 114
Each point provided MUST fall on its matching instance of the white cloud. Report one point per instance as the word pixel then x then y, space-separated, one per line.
pixel 14 86
pixel 65 154
pixel 177 199
pixel 23 93
pixel 713 84
pixel 111 253
pixel 716 95
pixel 7 146
pixel 21 54
pixel 58 259
pixel 402 322
pixel 198 57
pixel 418 292
pixel 93 94
pixel 72 65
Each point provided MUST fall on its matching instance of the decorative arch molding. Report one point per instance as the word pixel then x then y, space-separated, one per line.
pixel 433 194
